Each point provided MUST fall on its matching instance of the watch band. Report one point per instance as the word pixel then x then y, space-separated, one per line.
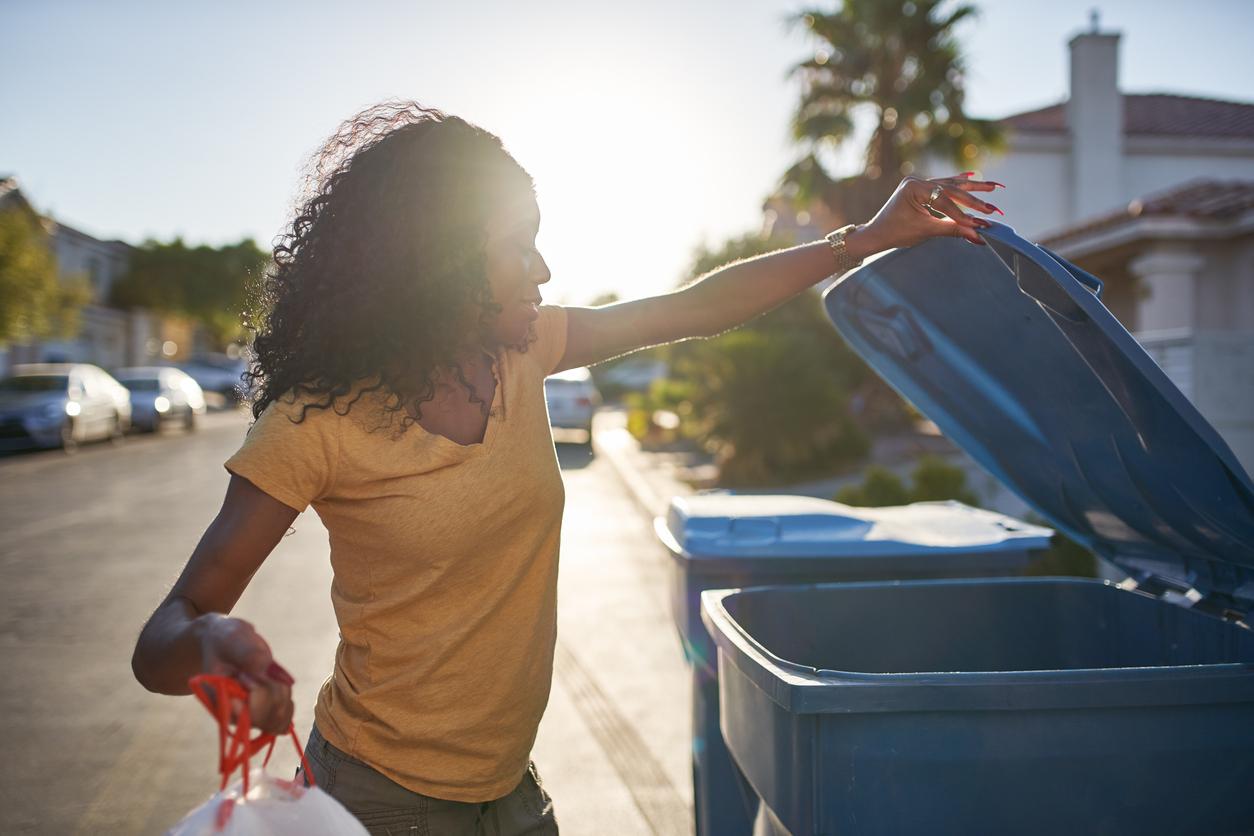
pixel 836 240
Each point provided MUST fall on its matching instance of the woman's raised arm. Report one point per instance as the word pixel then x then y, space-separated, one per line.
pixel 190 631
pixel 735 294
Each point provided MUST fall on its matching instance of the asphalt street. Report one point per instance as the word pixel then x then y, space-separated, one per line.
pixel 92 541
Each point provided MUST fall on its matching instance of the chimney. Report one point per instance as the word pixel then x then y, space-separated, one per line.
pixel 1095 123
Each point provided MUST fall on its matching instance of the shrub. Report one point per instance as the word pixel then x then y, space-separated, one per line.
pixel 1064 558
pixel 935 479
pixel 771 409
pixel 879 487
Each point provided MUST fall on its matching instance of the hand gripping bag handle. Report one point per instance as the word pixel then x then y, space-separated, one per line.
pixel 236 745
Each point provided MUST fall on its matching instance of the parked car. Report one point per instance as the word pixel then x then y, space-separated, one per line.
pixel 218 373
pixel 573 399
pixel 162 395
pixel 61 405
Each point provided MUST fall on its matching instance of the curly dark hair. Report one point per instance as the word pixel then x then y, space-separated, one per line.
pixel 384 269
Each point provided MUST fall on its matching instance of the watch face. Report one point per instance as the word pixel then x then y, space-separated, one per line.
pixel 837 237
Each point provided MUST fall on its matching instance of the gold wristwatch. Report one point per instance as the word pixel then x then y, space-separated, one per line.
pixel 836 240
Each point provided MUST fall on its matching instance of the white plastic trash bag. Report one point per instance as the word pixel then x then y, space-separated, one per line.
pixel 270 807
pixel 257 804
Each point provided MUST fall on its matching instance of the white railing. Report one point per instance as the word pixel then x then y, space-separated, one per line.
pixel 1173 351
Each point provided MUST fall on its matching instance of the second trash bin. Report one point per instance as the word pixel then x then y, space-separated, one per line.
pixel 719 540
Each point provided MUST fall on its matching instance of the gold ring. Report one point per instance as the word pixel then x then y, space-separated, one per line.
pixel 937 191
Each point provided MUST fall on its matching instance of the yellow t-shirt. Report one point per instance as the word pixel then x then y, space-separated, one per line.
pixel 445 576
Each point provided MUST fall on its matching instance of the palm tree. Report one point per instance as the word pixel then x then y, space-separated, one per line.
pixel 899 61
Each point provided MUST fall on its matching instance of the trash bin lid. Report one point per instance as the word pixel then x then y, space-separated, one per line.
pixel 719 525
pixel 1008 349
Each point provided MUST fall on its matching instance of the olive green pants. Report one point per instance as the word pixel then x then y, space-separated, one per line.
pixel 386 808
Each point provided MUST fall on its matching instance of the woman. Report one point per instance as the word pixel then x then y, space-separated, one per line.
pixel 400 391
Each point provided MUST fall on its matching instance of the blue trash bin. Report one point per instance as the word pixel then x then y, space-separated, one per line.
pixel 719 540
pixel 1015 705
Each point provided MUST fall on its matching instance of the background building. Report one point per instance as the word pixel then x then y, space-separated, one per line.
pixel 1154 194
pixel 107 336
pixel 1179 274
pixel 1102 148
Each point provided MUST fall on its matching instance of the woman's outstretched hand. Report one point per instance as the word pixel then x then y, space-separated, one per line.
pixel 905 219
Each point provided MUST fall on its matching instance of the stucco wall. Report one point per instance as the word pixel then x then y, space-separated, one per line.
pixel 1225 300
pixel 100 262
pixel 1037 195
pixel 1223 375
pixel 1145 173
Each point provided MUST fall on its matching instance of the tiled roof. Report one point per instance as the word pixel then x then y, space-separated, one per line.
pixel 1203 199
pixel 1155 114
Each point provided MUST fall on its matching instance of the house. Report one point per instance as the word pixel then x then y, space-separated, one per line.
pixel 1178 268
pixel 1154 193
pixel 107 336
pixel 1102 148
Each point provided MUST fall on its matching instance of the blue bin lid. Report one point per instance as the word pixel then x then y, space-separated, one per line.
pixel 1008 349
pixel 717 526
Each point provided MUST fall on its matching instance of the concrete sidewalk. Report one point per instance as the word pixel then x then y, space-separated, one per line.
pixel 651 478
pixel 614 746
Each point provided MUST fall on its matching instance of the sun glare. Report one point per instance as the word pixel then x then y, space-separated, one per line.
pixel 624 182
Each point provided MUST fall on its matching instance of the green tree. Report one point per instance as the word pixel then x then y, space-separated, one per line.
pixel 33 302
pixel 934 480
pixel 898 61
pixel 208 284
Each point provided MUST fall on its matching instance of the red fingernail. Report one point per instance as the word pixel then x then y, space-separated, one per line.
pixel 967 174
pixel 995 209
pixel 999 185
pixel 276 672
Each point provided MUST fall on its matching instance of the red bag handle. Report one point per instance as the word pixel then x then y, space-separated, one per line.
pixel 236 745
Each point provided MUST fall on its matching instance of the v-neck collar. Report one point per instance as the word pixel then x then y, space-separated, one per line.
pixel 495 415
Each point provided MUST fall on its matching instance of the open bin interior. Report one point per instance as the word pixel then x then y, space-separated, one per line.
pixel 982 626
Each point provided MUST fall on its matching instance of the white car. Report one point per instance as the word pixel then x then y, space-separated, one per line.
pixel 573 399
pixel 218 373
pixel 60 405
pixel 160 395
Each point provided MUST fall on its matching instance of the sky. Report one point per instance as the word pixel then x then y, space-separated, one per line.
pixel 649 127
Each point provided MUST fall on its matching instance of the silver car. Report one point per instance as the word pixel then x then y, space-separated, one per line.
pixel 218 373
pixel 162 395
pixel 61 405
